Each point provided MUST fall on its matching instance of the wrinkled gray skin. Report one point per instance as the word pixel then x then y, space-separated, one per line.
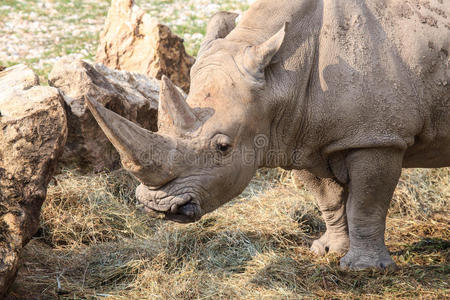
pixel 345 93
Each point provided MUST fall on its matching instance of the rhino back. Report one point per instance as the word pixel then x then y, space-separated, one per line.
pixel 384 78
pixel 358 74
pixel 420 32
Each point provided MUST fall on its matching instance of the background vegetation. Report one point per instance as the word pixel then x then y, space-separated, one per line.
pixel 95 243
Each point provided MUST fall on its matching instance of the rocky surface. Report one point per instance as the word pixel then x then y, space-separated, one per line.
pixel 133 96
pixel 33 132
pixel 16 78
pixel 131 40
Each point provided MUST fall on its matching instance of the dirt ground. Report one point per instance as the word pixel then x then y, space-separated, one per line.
pixel 94 243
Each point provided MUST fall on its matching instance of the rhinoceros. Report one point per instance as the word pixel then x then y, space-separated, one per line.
pixel 344 93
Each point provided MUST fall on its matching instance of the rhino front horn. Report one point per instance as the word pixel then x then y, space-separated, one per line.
pixel 145 154
pixel 174 112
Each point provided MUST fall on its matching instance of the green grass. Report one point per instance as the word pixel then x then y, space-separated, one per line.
pixel 60 18
pixel 52 28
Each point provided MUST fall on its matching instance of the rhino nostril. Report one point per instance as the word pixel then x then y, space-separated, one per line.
pixel 189 210
pixel 177 208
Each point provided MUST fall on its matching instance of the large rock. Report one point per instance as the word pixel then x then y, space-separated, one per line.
pixel 16 78
pixel 33 130
pixel 133 41
pixel 133 96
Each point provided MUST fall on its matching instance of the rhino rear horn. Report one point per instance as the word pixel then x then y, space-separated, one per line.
pixel 142 152
pixel 174 111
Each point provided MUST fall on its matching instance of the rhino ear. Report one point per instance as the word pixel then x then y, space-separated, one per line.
pixel 220 25
pixel 258 58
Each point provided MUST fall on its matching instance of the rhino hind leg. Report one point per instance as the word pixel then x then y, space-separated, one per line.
pixel 374 174
pixel 331 197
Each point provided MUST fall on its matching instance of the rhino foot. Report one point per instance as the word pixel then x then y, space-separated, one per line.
pixel 330 243
pixel 359 260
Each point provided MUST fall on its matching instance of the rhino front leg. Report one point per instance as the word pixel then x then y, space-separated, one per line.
pixel 331 197
pixel 374 174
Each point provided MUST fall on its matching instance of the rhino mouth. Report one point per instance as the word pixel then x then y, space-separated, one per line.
pixel 181 208
pixel 187 213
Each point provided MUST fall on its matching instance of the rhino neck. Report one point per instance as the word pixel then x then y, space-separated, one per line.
pixel 290 81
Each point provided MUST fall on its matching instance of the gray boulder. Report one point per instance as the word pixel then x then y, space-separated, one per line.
pixel 32 137
pixel 131 95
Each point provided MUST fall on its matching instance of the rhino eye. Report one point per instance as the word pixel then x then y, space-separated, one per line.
pixel 222 143
pixel 222 147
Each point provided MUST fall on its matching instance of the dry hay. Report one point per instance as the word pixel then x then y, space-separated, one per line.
pixel 94 243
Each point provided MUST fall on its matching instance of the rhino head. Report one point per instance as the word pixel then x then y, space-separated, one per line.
pixel 206 149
